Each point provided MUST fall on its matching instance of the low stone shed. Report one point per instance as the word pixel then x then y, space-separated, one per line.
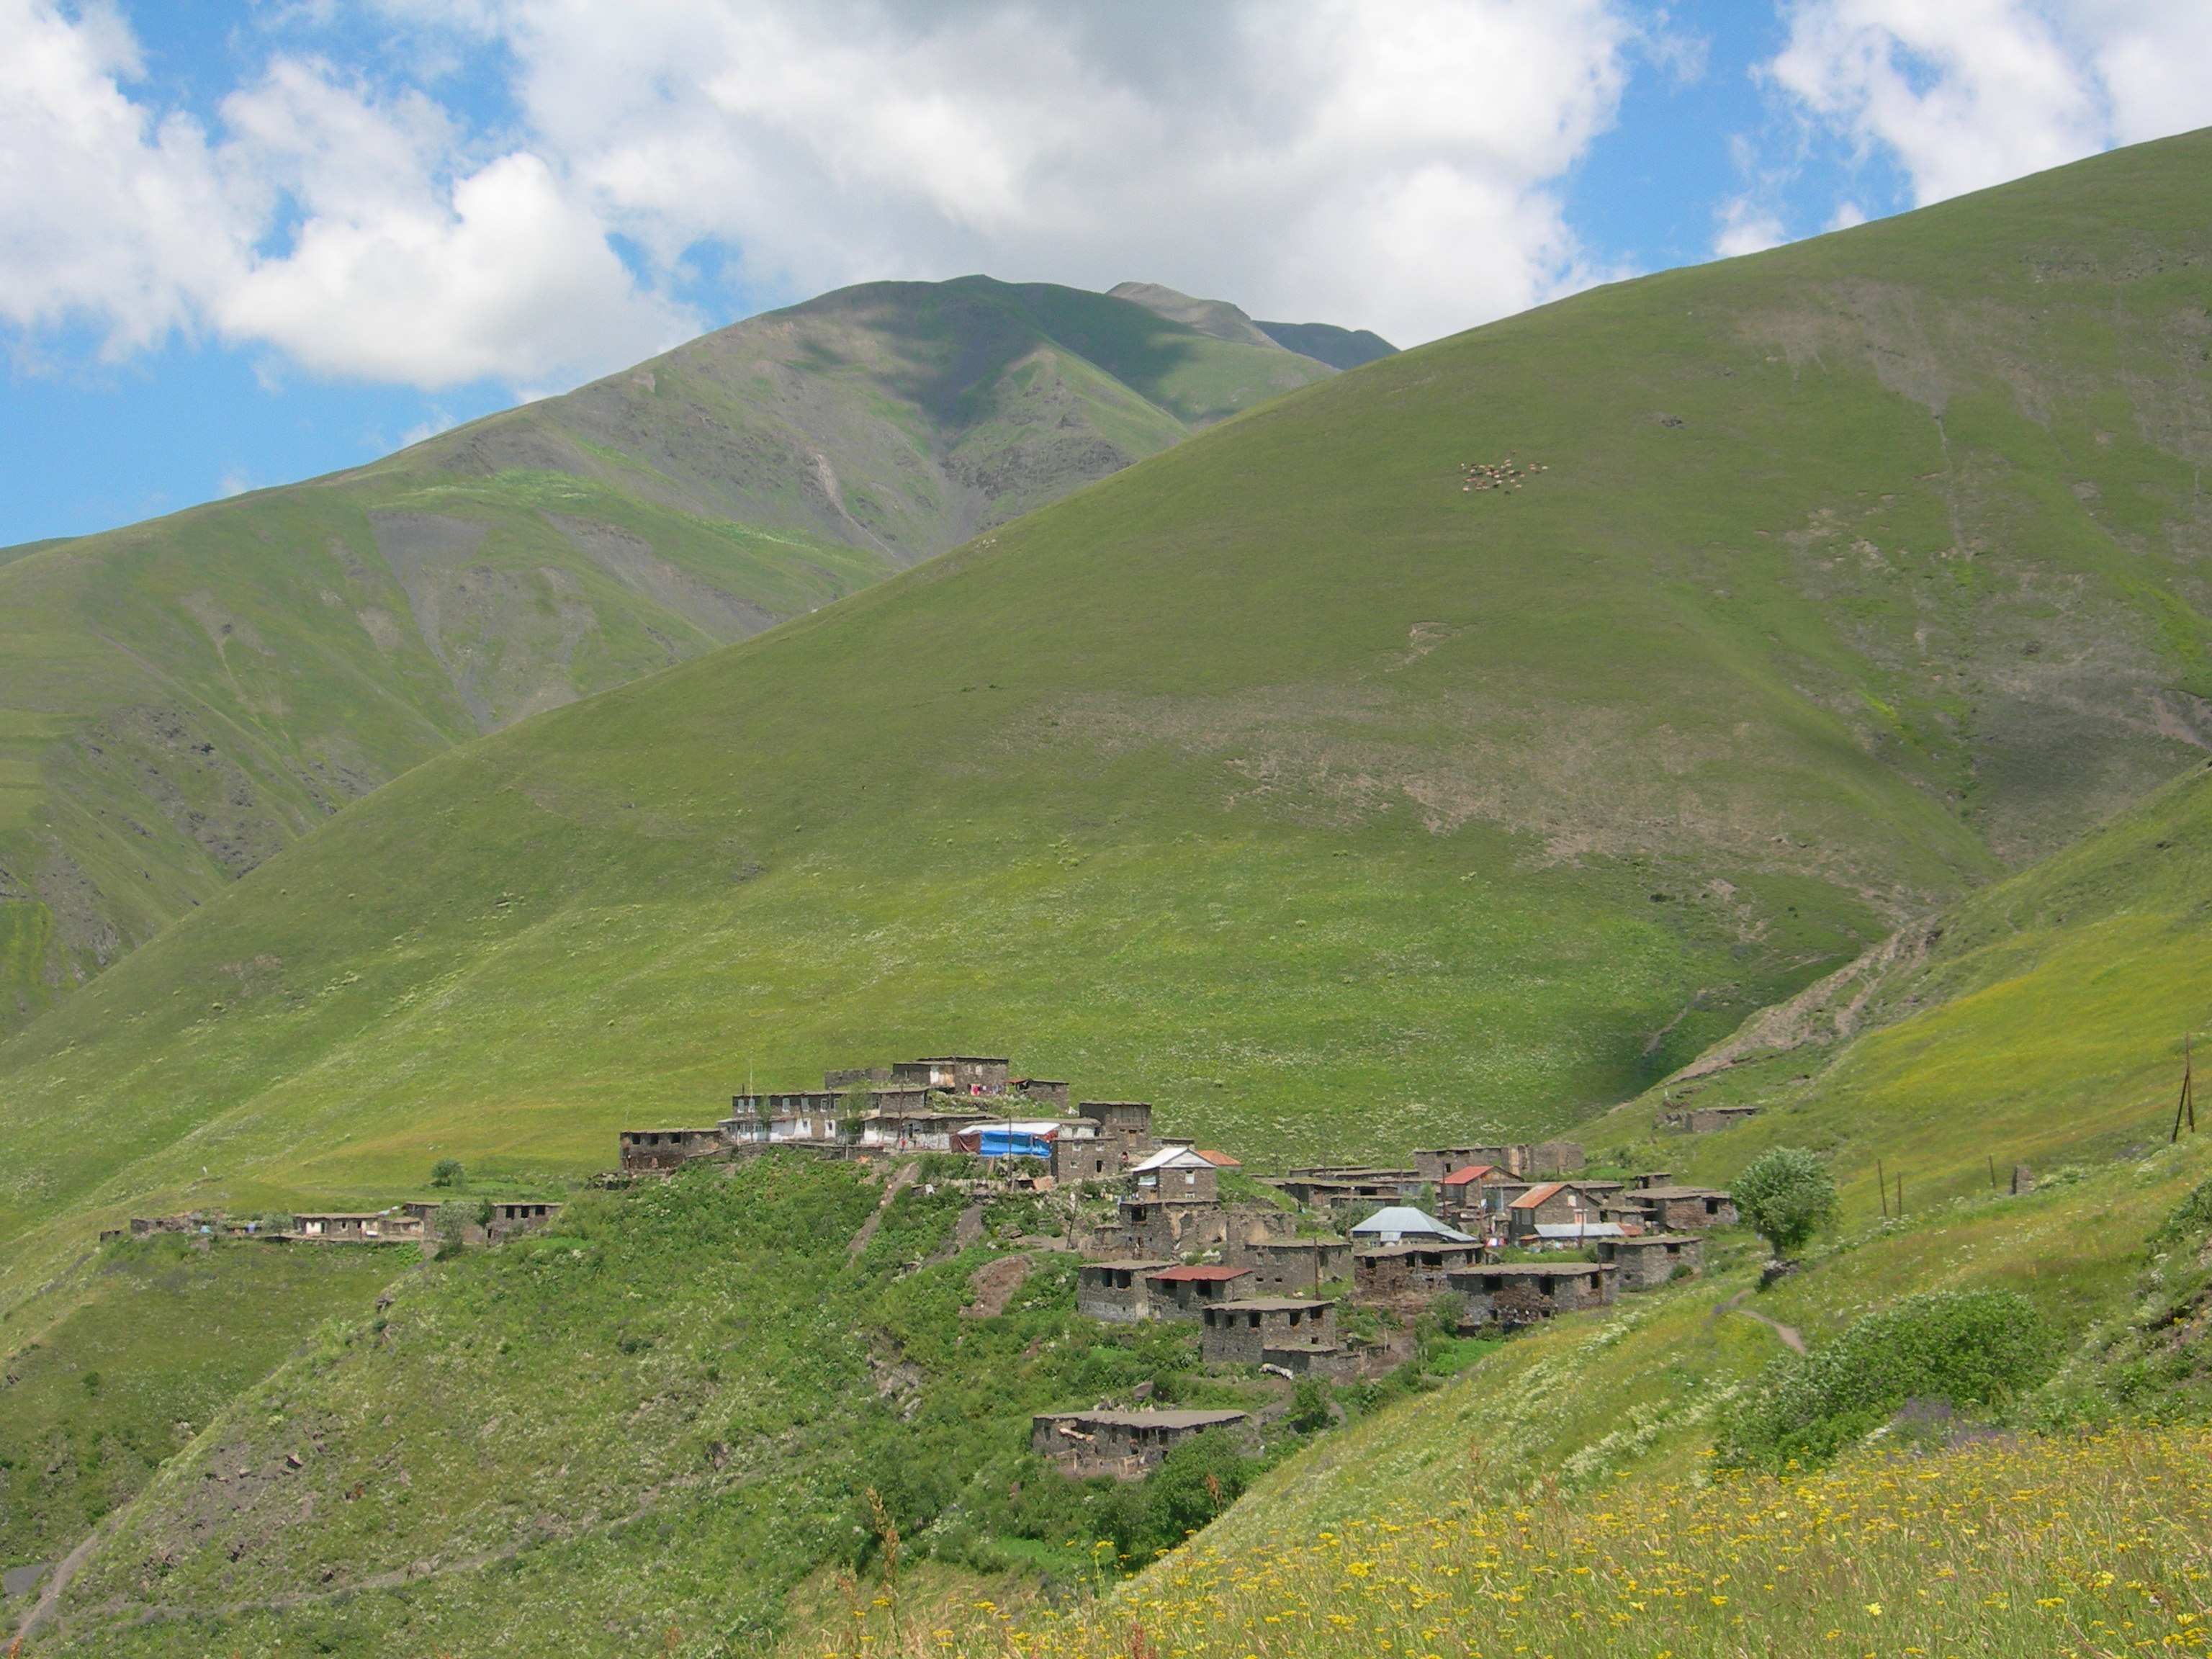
pixel 1521 1292
pixel 1396 1272
pixel 1684 1209
pixel 1290 1266
pixel 1242 1333
pixel 1185 1292
pixel 1648 1261
pixel 1125 1444
pixel 1116 1290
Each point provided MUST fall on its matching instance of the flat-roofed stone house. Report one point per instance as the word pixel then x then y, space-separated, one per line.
pixel 1290 1267
pixel 518 1215
pixel 1520 1292
pixel 1127 1445
pixel 1242 1333
pixel 1704 1120
pixel 1116 1290
pixel 357 1227
pixel 1686 1209
pixel 1125 1124
pixel 1410 1271
pixel 975 1076
pixel 1080 1152
pixel 1649 1261
pixel 648 1149
pixel 1182 1293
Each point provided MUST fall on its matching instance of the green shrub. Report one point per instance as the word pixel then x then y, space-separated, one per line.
pixel 1786 1196
pixel 447 1172
pixel 1970 1348
pixel 1308 1404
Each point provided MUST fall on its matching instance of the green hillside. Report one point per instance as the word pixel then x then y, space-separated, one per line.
pixel 1286 778
pixel 2042 1022
pixel 661 1415
pixel 180 699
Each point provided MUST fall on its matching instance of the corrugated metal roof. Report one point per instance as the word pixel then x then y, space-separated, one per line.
pixel 1537 1195
pixel 1472 1172
pixel 1208 1275
pixel 1394 1224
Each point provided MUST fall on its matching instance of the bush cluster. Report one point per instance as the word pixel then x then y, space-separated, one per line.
pixel 1970 1348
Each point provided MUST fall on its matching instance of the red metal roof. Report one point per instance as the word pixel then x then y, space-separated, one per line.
pixel 1209 1274
pixel 1536 1195
pixel 1472 1172
pixel 1219 1160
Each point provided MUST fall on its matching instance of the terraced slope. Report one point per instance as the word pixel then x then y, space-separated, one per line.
pixel 1289 778
pixel 179 699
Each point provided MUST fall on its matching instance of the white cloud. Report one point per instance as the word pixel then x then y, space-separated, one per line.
pixel 1393 164
pixel 1747 227
pixel 1971 92
pixel 330 225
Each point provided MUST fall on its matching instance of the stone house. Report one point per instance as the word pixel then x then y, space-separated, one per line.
pixel 1126 1125
pixel 807 1118
pixel 356 1227
pixel 1460 1193
pixel 1404 1224
pixel 1569 1204
pixel 1080 1152
pixel 971 1075
pixel 916 1120
pixel 1246 1333
pixel 518 1216
pixel 1290 1267
pixel 645 1150
pixel 1704 1120
pixel 1185 1292
pixel 1040 1092
pixel 1127 1445
pixel 1648 1261
pixel 1691 1209
pixel 1410 1271
pixel 1520 1292
pixel 1178 1175
pixel 1543 1160
pixel 1116 1290
pixel 1321 1186
pixel 1650 1178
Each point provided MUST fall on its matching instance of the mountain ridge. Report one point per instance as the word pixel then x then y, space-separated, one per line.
pixel 179 698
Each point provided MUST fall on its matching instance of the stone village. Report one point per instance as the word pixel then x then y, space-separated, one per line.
pixel 1454 1230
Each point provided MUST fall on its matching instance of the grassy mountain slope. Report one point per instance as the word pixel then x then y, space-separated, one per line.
pixel 2043 1020
pixel 656 1416
pixel 1283 778
pixel 160 1339
pixel 728 1387
pixel 179 699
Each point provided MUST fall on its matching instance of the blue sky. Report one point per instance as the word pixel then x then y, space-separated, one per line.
pixel 245 243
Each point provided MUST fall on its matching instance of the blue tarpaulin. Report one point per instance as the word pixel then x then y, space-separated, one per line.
pixel 1012 1143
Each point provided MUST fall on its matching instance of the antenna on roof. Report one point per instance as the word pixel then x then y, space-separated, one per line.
pixel 2187 1106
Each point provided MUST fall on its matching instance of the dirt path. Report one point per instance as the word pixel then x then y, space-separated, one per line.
pixel 994 1283
pixel 56 1582
pixel 898 1184
pixel 1792 1339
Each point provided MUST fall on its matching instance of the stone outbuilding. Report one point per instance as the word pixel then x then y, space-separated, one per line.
pixel 974 1076
pixel 1649 1261
pixel 357 1227
pixel 1116 1290
pixel 1127 1445
pixel 1185 1292
pixel 1327 1187
pixel 1409 1272
pixel 1125 1124
pixel 1512 1293
pixel 1686 1209
pixel 648 1149
pixel 510 1216
pixel 1244 1333
pixel 1290 1266
pixel 1704 1120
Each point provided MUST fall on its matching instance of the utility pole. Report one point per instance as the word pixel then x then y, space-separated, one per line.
pixel 1881 1185
pixel 2187 1106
